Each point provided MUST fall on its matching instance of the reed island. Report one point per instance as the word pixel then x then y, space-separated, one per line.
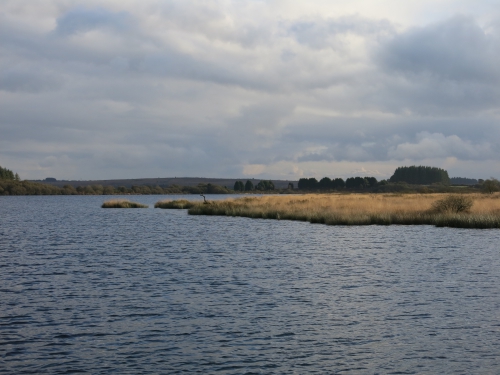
pixel 442 210
pixel 122 203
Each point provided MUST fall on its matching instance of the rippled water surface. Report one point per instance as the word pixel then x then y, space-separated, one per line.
pixel 92 290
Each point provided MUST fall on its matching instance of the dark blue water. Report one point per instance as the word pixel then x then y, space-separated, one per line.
pixel 143 291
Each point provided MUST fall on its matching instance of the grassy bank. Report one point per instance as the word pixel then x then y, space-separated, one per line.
pixel 122 203
pixel 362 209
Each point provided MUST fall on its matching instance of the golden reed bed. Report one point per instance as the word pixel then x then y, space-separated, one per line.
pixel 360 209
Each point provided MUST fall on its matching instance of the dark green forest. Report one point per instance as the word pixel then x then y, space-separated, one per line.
pixel 420 175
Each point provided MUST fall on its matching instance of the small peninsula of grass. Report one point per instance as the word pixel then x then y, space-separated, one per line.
pixel 459 211
pixel 176 204
pixel 122 203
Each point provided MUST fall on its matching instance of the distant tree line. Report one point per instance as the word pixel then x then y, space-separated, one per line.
pixel 263 185
pixel 360 182
pixel 413 175
pixel 420 175
pixel 402 179
pixel 327 183
pixel 10 184
pixel 7 174
pixel 463 181
pixel 13 187
pixel 324 184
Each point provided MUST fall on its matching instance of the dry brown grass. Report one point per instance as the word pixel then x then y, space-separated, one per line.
pixel 359 209
pixel 122 203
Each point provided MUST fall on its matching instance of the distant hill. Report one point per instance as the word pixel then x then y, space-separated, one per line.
pixel 164 182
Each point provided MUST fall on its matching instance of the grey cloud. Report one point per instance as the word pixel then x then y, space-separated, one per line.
pixel 129 57
pixel 438 145
pixel 207 90
pixel 344 152
pixel 317 33
pixel 48 162
pixel 457 49
pixel 447 69
pixel 216 22
pixel 287 55
pixel 20 43
pixel 315 156
pixel 265 116
pixel 175 64
pixel 30 81
pixel 363 140
pixel 137 52
pixel 427 96
pixel 82 19
pixel 252 135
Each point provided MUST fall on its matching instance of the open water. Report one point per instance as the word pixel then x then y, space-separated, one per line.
pixel 150 291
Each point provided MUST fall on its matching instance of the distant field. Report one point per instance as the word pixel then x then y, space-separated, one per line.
pixel 168 181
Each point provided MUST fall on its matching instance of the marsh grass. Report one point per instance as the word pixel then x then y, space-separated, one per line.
pixel 361 209
pixel 176 204
pixel 122 203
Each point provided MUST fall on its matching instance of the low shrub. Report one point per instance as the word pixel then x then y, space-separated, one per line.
pixel 453 203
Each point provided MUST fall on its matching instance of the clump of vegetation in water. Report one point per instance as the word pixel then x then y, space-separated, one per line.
pixel 176 204
pixel 122 203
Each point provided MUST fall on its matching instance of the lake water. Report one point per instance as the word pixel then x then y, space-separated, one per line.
pixel 147 291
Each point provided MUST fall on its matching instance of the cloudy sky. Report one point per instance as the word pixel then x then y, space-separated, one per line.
pixel 277 89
